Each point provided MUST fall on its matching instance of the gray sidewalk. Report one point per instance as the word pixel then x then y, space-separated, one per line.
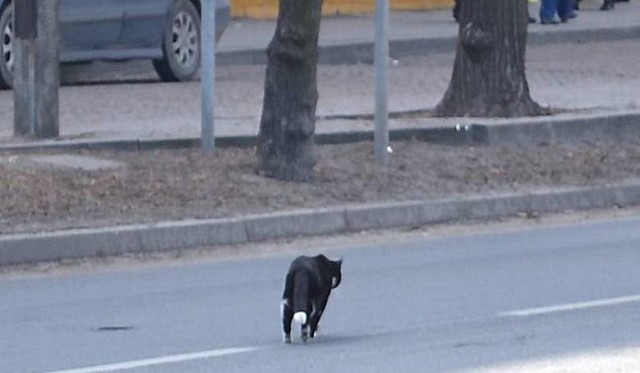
pixel 349 39
pixel 592 76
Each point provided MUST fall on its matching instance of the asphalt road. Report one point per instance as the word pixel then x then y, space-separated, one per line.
pixel 540 299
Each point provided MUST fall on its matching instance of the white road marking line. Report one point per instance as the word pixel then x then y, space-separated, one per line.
pixel 596 361
pixel 570 307
pixel 159 360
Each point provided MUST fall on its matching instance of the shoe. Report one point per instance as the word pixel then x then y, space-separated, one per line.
pixel 532 20
pixel 607 5
pixel 567 18
pixel 549 22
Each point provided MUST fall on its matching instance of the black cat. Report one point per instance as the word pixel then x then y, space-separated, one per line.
pixel 306 291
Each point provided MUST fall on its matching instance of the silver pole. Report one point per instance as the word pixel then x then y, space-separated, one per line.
pixel 381 135
pixel 208 36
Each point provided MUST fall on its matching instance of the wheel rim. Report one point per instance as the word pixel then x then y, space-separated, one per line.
pixel 185 40
pixel 7 45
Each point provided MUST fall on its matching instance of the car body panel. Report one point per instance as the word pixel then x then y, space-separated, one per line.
pixel 143 23
pixel 90 24
pixel 118 29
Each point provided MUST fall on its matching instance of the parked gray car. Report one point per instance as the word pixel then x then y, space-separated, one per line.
pixel 164 31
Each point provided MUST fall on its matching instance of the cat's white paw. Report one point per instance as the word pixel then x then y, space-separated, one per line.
pixel 300 318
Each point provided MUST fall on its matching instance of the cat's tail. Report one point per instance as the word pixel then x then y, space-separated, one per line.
pixel 300 297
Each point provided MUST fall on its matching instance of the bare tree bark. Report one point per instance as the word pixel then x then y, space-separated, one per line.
pixel 488 77
pixel 285 141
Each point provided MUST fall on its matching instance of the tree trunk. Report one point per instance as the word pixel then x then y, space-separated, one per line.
pixel 488 77
pixel 287 126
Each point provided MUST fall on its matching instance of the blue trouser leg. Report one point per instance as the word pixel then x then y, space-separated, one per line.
pixel 548 9
pixel 565 7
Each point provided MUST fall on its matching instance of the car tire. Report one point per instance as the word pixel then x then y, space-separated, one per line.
pixel 181 43
pixel 6 48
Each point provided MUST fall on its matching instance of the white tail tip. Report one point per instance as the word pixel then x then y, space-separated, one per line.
pixel 300 318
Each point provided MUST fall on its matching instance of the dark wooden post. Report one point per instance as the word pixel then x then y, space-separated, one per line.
pixel 36 74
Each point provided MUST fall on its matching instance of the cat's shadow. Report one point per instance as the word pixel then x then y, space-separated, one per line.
pixel 333 339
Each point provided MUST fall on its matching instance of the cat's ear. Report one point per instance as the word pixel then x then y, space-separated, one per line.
pixel 339 261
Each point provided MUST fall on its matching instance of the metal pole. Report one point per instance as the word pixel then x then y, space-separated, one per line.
pixel 381 135
pixel 208 36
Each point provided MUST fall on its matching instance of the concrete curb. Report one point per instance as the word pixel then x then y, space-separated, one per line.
pixel 363 52
pixel 139 238
pixel 558 130
pixel 516 131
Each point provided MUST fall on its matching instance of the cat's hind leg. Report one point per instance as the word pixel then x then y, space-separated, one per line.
pixel 287 317
pixel 301 304
pixel 302 319
pixel 304 333
pixel 316 314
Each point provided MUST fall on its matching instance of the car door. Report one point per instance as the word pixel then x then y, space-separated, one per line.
pixel 90 25
pixel 144 22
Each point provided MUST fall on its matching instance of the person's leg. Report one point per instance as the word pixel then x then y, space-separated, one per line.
pixel 548 9
pixel 456 9
pixel 607 5
pixel 573 7
pixel 565 8
pixel 532 19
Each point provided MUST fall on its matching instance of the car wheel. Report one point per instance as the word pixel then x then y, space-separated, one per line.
pixel 7 60
pixel 181 43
